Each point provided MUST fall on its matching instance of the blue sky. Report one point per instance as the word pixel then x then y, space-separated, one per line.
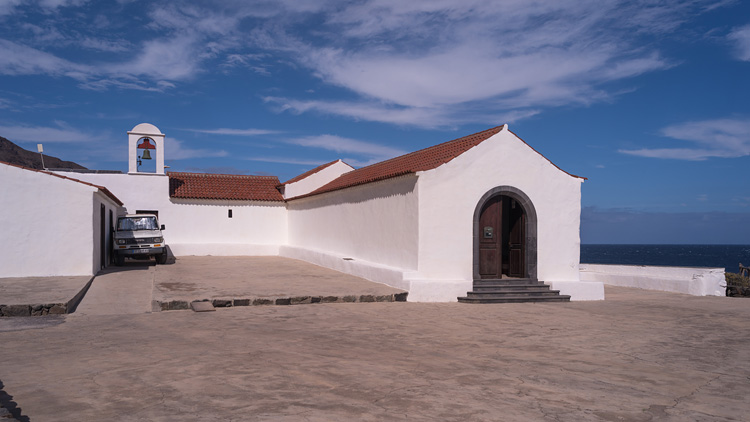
pixel 648 99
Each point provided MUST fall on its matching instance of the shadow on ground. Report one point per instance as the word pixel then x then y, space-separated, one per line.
pixel 8 407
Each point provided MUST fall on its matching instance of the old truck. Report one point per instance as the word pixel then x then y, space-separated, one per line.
pixel 139 236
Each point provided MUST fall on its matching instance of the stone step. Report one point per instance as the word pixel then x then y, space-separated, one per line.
pixel 506 281
pixel 511 292
pixel 517 299
pixel 494 287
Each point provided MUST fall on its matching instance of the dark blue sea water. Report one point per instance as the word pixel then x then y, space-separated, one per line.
pixel 720 256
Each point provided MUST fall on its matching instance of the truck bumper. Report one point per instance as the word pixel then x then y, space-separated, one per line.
pixel 140 251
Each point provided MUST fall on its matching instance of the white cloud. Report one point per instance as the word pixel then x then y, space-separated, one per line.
pixel 723 138
pixel 236 132
pixel 347 145
pixel 416 62
pixel 286 160
pixel 8 6
pixel 22 60
pixel 176 150
pixel 429 64
pixel 740 37
pixel 62 133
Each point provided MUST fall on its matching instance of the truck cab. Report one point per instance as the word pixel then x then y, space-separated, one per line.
pixel 139 236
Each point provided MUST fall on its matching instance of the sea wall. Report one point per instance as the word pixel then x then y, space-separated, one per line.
pixel 688 280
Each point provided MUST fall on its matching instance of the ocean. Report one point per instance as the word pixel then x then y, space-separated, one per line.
pixel 718 256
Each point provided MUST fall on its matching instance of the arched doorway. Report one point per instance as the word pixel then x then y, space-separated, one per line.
pixel 504 235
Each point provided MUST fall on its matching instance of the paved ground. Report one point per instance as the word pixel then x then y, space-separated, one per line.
pixel 141 286
pixel 120 290
pixel 217 277
pixel 40 290
pixel 637 356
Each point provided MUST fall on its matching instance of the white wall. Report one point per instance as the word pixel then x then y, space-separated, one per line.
pixel 99 199
pixel 377 222
pixel 316 180
pixel 193 222
pixel 449 195
pixel 199 227
pixel 687 280
pixel 45 225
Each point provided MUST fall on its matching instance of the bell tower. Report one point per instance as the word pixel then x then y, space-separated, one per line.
pixel 147 140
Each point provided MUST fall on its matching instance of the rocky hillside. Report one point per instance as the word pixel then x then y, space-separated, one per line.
pixel 12 153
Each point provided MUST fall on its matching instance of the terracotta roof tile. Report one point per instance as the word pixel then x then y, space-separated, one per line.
pixel 101 188
pixel 309 173
pixel 422 160
pixel 224 186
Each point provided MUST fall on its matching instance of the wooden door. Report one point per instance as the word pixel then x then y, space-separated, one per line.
pixel 516 239
pixel 490 239
pixel 502 237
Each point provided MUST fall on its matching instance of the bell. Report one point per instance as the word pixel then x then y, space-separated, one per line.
pixel 146 154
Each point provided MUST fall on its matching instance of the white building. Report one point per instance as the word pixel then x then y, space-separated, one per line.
pixel 483 206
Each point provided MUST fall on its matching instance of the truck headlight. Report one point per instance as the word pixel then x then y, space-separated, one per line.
pixel 120 241
pixel 157 239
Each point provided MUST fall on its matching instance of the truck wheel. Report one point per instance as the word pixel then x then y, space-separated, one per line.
pixel 119 260
pixel 161 259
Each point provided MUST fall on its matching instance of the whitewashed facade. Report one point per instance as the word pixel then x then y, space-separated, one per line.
pixel 414 227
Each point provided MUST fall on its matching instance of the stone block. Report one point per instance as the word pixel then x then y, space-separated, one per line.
pixel 384 298
pixel 330 299
pixel 367 298
pixel 284 301
pixel 202 306
pixel 17 310
pixel 178 305
pixel 315 299
pixel 242 302
pixel 261 301
pixel 37 307
pixel 349 298
pixel 299 300
pixel 222 303
pixel 400 297
pixel 57 309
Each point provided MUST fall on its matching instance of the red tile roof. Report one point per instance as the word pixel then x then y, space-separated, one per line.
pixel 224 186
pixel 101 188
pixel 309 173
pixel 422 160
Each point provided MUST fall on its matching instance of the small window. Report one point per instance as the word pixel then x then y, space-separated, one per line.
pixel 229 214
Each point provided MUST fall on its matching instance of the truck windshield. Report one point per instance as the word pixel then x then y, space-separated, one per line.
pixel 137 223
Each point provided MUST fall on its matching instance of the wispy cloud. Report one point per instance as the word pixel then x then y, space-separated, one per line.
pixel 429 64
pixel 286 160
pixel 62 133
pixel 723 138
pixel 740 38
pixel 237 132
pixel 19 59
pixel 347 145
pixel 177 150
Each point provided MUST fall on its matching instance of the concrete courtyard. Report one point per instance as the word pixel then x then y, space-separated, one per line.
pixel 638 356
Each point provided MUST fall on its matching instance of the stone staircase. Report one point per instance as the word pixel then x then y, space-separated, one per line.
pixel 512 290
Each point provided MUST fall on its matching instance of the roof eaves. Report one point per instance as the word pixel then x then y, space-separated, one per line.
pixel 321 190
pixel 101 188
pixel 309 173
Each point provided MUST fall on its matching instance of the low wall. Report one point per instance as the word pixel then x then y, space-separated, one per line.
pixel 687 280
pixel 369 271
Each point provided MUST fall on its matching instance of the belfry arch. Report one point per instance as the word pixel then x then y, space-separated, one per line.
pixel 145 132
pixel 497 231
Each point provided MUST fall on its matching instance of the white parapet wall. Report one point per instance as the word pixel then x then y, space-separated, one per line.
pixel 393 277
pixel 689 280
